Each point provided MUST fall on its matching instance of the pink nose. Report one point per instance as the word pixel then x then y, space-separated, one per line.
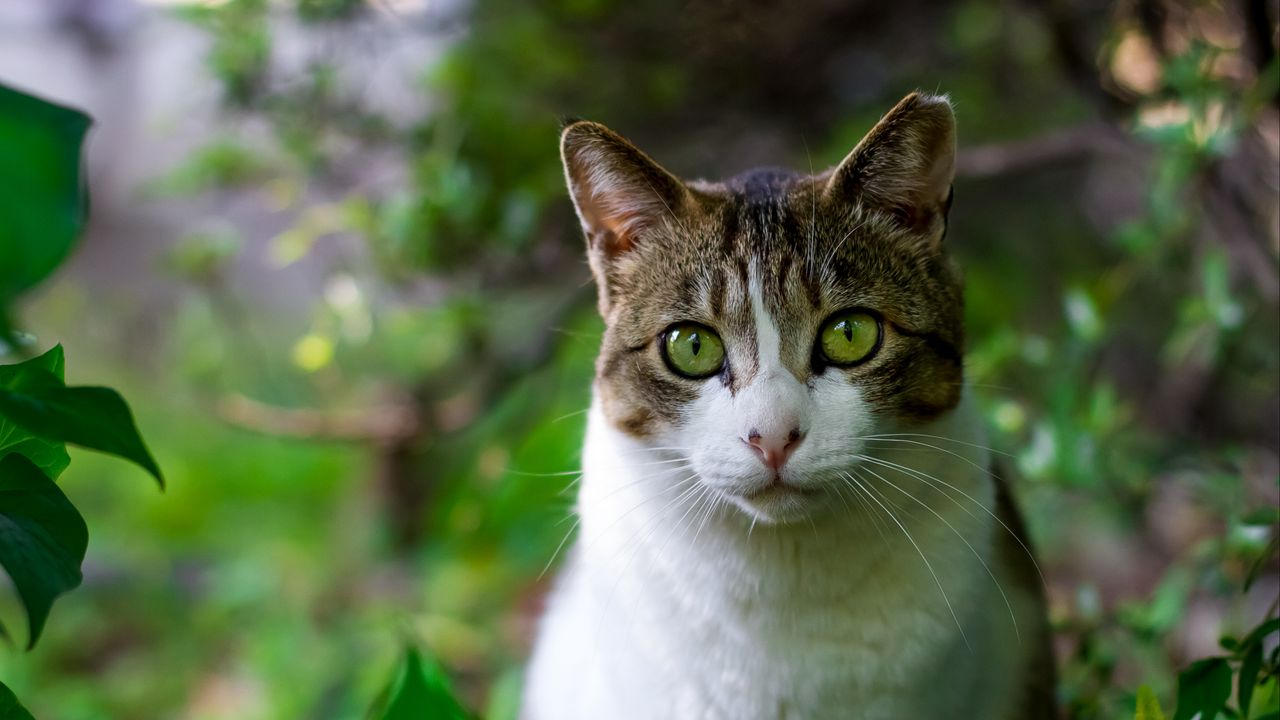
pixel 774 449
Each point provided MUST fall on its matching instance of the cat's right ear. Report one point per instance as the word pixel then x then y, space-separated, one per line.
pixel 618 191
pixel 905 165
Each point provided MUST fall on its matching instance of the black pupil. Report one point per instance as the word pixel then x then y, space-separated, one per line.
pixel 848 329
pixel 695 342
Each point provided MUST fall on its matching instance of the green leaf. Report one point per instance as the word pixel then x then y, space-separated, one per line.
pixel 1249 669
pixel 44 205
pixel 92 417
pixel 1263 561
pixel 1203 688
pixel 10 708
pixel 1264 629
pixel 418 690
pixel 1263 516
pixel 1148 705
pixel 49 455
pixel 42 538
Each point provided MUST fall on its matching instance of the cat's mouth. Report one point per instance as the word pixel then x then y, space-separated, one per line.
pixel 777 502
pixel 779 489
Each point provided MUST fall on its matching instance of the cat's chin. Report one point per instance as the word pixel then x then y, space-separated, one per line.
pixel 776 504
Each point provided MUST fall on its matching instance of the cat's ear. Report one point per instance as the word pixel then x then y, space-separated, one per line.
pixel 905 165
pixel 617 190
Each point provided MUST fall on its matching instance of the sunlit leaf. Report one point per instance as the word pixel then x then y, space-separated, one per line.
pixel 10 708
pixel 96 418
pixel 49 455
pixel 313 352
pixel 1265 704
pixel 1249 669
pixel 1148 705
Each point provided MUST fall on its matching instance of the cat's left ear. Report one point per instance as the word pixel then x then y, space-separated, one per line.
pixel 905 165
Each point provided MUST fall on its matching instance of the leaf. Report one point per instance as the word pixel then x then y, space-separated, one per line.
pixel 1249 669
pixel 42 538
pixel 92 417
pixel 1203 688
pixel 1264 516
pixel 40 147
pixel 1264 629
pixel 1262 562
pixel 10 708
pixel 418 690
pixel 1148 705
pixel 50 456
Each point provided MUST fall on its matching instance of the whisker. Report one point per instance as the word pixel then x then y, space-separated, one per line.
pixel 687 481
pixel 933 479
pixel 811 253
pixel 919 475
pixel 564 491
pixel 896 437
pixel 658 448
pixel 559 547
pixel 826 265
pixel 524 473
pixel 711 508
pixel 695 490
pixel 579 472
pixel 644 479
pixel 929 566
pixel 957 533
pixel 575 413
pixel 858 492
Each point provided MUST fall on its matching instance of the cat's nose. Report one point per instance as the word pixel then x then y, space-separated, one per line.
pixel 774 448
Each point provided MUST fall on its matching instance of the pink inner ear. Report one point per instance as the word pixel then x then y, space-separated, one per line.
pixel 617 211
pixel 905 164
pixel 612 243
pixel 617 189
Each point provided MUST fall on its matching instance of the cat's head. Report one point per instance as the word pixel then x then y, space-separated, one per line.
pixel 767 325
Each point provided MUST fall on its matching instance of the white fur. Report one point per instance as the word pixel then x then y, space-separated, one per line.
pixel 684 601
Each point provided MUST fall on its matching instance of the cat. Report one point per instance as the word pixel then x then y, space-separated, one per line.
pixel 787 509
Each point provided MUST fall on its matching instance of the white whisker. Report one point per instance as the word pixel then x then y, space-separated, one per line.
pixel 957 533
pixel 929 566
pixel 933 479
pixel 559 547
pixel 896 437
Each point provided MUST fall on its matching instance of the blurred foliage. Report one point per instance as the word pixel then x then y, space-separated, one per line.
pixel 419 690
pixel 43 538
pixel 388 446
pixel 40 153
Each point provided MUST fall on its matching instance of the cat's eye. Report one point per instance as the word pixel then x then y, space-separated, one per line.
pixel 693 350
pixel 849 337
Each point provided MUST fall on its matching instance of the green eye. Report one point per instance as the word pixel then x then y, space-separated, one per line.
pixel 849 337
pixel 693 350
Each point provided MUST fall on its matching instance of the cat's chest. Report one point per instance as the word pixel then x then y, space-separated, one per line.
pixel 801 644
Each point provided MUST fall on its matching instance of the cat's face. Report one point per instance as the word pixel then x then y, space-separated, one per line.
pixel 764 327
